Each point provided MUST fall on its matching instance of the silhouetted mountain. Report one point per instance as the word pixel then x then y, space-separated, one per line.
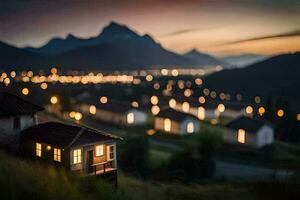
pixel 277 74
pixel 116 48
pixel 202 59
pixel 244 59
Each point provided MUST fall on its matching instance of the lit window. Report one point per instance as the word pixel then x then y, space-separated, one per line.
pixel 130 118
pixel 241 136
pixel 38 149
pixel 76 156
pixel 185 107
pixel 190 127
pixel 57 154
pixel 201 113
pixel 167 125
pixel 99 150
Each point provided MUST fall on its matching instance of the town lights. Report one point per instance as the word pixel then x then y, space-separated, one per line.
pixel 25 91
pixel 54 100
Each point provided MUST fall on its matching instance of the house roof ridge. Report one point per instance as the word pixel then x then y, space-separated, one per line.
pixel 82 129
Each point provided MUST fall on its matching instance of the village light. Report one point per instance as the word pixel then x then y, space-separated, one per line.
pixel 151 132
pixel 103 100
pixel 53 70
pixel 6 81
pixel 135 104
pixel 172 103
pixel 44 86
pixel 206 91
pixel 13 74
pixel 48 147
pixel 190 127
pixel 280 112
pixel 198 81
pixel 154 100
pixel 54 100
pixel 78 116
pixel 174 72
pixel 25 91
pixel 201 100
pixel 298 117
pixel 167 125
pixel 164 72
pixel 155 110
pixel 261 110
pixel 149 77
pixel 187 92
pixel 249 110
pixel 257 99
pixel 72 114
pixel 185 107
pixel 221 108
pixel 93 109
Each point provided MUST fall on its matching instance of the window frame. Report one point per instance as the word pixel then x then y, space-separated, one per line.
pixel 241 136
pixel 38 149
pixel 76 157
pixel 57 154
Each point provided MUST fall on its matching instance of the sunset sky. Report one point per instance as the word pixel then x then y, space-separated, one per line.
pixel 219 27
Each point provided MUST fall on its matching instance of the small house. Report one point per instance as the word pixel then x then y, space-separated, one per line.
pixel 249 132
pixel 76 148
pixel 116 113
pixel 175 122
pixel 16 114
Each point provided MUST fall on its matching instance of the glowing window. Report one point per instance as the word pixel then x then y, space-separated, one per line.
pixel 190 127
pixel 167 125
pixel 241 136
pixel 38 149
pixel 185 107
pixel 57 154
pixel 99 150
pixel 76 156
pixel 130 118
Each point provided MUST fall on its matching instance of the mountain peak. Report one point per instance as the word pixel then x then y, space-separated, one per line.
pixel 114 29
pixel 193 51
pixel 71 36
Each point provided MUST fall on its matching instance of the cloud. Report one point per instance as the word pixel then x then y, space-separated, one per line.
pixel 280 35
pixel 182 31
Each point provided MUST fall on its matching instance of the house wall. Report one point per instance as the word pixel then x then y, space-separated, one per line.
pixel 232 113
pixel 139 117
pixel 159 125
pixel 265 136
pixel 9 137
pixel 230 136
pixel 184 124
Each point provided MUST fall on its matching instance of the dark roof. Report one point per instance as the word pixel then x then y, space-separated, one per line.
pixel 247 123
pixel 13 105
pixel 64 135
pixel 174 115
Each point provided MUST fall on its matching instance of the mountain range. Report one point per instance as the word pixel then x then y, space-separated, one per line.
pixel 244 59
pixel 116 48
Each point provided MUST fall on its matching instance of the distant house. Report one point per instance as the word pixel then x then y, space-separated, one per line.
pixel 116 113
pixel 175 122
pixel 16 114
pixel 249 132
pixel 233 110
pixel 76 148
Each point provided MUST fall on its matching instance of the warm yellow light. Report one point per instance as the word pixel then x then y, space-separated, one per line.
pixel 167 125
pixel 78 116
pixel 135 104
pixel 280 113
pixel 151 132
pixel 187 92
pixel 172 103
pixel 154 100
pixel 164 72
pixel 201 100
pixel 25 91
pixel 261 110
pixel 149 77
pixel 298 117
pixel 155 110
pixel 72 114
pixel 241 136
pixel 48 147
pixel 201 113
pixel 249 110
pixel 185 107
pixel 221 108
pixel 53 70
pixel 130 118
pixel 44 86
pixel 198 81
pixel 93 109
pixel 54 100
pixel 174 72
pixel 190 127
pixel 13 74
pixel 156 86
pixel 6 81
pixel 206 91
pixel 103 100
